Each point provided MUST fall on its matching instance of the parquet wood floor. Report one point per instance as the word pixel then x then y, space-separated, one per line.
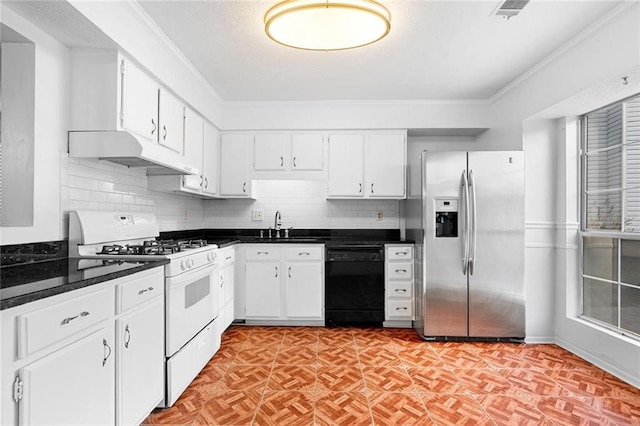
pixel 343 376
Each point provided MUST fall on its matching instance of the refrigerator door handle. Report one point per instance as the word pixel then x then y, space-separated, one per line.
pixel 465 233
pixel 472 233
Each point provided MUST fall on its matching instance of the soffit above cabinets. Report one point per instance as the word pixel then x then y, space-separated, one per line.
pixel 436 50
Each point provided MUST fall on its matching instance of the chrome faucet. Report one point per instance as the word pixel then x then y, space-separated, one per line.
pixel 278 224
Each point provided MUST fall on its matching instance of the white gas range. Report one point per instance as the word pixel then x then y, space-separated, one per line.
pixel 191 295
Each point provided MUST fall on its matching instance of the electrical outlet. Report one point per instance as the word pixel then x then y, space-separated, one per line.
pixel 379 215
pixel 257 215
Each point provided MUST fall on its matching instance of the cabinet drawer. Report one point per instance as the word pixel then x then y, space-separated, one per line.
pixel 400 270
pixel 400 309
pixel 400 289
pixel 139 290
pixel 304 253
pixel 399 253
pixel 262 253
pixel 226 256
pixel 46 326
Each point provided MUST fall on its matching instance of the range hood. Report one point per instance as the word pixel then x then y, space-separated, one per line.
pixel 125 148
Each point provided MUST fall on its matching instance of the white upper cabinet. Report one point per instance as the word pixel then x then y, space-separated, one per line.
pixel 385 158
pixel 171 118
pixel 367 165
pixel 346 166
pixel 307 152
pixel 235 180
pixel 193 146
pixel 200 149
pixel 210 159
pixel 270 151
pixel 139 113
pixel 290 152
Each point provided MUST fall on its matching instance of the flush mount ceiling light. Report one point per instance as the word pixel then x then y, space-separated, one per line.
pixel 327 24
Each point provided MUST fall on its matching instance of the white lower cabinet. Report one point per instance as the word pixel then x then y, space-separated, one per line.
pixel 71 386
pixel 226 277
pixel 284 283
pixel 263 290
pixel 398 285
pixel 82 362
pixel 140 362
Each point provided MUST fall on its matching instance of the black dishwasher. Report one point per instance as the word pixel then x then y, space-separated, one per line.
pixel 354 285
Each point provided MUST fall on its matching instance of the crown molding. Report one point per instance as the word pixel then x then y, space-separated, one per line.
pixel 397 102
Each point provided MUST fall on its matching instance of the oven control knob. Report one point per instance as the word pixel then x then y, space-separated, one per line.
pixel 183 265
pixel 191 263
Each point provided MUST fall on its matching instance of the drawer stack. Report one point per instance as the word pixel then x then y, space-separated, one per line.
pixel 398 285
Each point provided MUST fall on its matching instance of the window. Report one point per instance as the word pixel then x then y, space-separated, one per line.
pixel 611 216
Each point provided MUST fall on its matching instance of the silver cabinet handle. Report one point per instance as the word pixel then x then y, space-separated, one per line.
pixel 164 137
pixel 401 253
pixel 244 187
pixel 67 320
pixel 372 188
pixel 401 271
pixel 221 281
pixel 260 253
pixel 144 290
pixel 304 253
pixel 106 350
pixel 294 162
pixel 360 190
pixel 155 127
pixel 127 337
pixel 206 183
pixel 228 257
pixel 289 273
pixel 281 161
pixel 276 272
pixel 402 308
pixel 404 290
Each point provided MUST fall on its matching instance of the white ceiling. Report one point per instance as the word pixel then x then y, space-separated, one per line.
pixel 436 50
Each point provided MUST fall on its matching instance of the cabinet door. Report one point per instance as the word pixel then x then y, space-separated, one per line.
pixel 193 140
pixel 263 290
pixel 171 121
pixel 139 102
pixel 346 166
pixel 226 306
pixel 210 160
pixel 307 152
pixel 270 151
pixel 140 365
pixel 71 386
pixel 234 158
pixel 304 283
pixel 385 166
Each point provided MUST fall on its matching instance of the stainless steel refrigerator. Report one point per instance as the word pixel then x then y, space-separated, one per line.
pixel 467 217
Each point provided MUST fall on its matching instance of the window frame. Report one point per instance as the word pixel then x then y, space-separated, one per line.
pixel 618 235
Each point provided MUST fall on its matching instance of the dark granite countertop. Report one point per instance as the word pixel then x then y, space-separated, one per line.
pixel 226 237
pixel 24 282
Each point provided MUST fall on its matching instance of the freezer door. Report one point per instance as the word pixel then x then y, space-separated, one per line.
pixel 444 281
pixel 496 280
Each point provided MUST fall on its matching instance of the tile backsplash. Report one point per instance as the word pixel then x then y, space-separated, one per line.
pixel 302 204
pixel 102 185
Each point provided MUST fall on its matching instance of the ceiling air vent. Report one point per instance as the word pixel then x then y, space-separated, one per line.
pixel 509 8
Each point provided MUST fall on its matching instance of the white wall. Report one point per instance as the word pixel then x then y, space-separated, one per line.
pixel 303 205
pixel 541 112
pixel 50 132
